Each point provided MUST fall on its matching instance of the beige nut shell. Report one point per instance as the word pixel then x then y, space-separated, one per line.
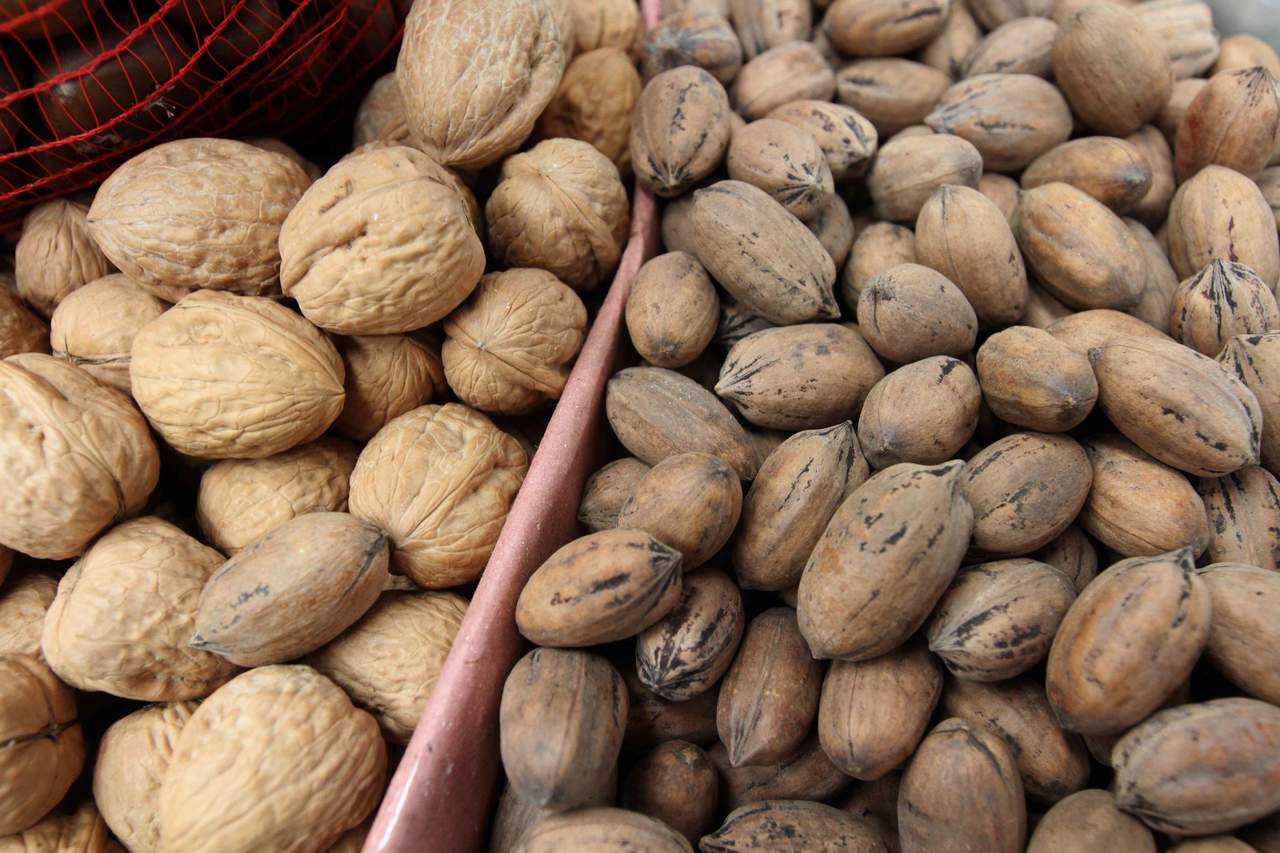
pixel 381 116
pixel 439 480
pixel 132 759
pixel 388 662
pixel 20 329
pixel 387 375
pixel 94 327
pixel 75 455
pixel 124 613
pixel 561 207
pixel 23 602
pixel 223 376
pixel 355 270
pixel 82 831
pixel 240 500
pixel 510 346
pixel 198 213
pixel 594 103
pixel 278 759
pixel 41 746
pixel 55 254
pixel 469 108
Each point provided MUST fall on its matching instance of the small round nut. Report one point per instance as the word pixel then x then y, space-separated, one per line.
pixel 510 345
pixel 561 207
pixel 381 115
pixel 241 500
pixel 53 500
pixel 56 254
pixel 94 327
pixel 193 366
pixel 20 329
pixel 356 271
pixel 386 376
pixel 594 103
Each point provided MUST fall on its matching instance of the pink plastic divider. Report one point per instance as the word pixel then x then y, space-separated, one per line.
pixel 441 797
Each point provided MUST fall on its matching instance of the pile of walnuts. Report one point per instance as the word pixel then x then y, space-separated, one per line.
pixel 949 517
pixel 260 428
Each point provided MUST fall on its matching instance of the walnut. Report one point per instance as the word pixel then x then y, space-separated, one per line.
pixel 387 375
pixel 472 107
pixel 20 330
pixel 510 345
pixel 222 376
pixel 95 326
pixel 357 271
pixel 24 600
pixel 605 23
pixel 276 146
pixel 594 103
pixel 198 213
pixel 74 456
pixel 381 115
pixel 561 207
pixel 125 612
pixel 56 254
pixel 439 481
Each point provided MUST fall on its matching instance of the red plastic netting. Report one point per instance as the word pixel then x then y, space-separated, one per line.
pixel 85 84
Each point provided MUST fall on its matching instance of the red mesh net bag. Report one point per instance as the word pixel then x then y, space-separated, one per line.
pixel 85 84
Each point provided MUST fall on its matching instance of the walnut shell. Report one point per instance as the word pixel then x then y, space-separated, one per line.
pixel 693 37
pixel 1128 641
pixel 354 271
pixel 672 310
pixel 241 500
pixel 1010 118
pixel 1201 768
pixel 807 376
pixel 515 55
pixel 659 505
pixel 132 760
pixel 20 330
pixel 276 146
pixel 560 207
pixel 1222 214
pixel 439 481
pixel 56 254
pixel 962 791
pixel 765 257
pixel 388 661
pixel 873 713
pixel 908 171
pixel 1243 635
pixel 607 490
pixel 386 376
pixel 231 198
pixel 124 613
pixel 884 27
pixel 191 365
pixel 922 413
pixel 605 23
pixel 907 515
pixel 680 130
pixel 677 784
pixel 94 461
pixel 594 103
pixel 792 71
pixel 891 93
pixel 509 347
pixel 769 698
pixel 381 117
pixel 82 831
pixel 1031 379
pixel 41 745
pixel 997 620
pixel 24 600
pixel 911 312
pixel 293 590
pixel 1234 121
pixel 1087 821
pixel 1113 70
pixel 94 327
pixel 281 746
